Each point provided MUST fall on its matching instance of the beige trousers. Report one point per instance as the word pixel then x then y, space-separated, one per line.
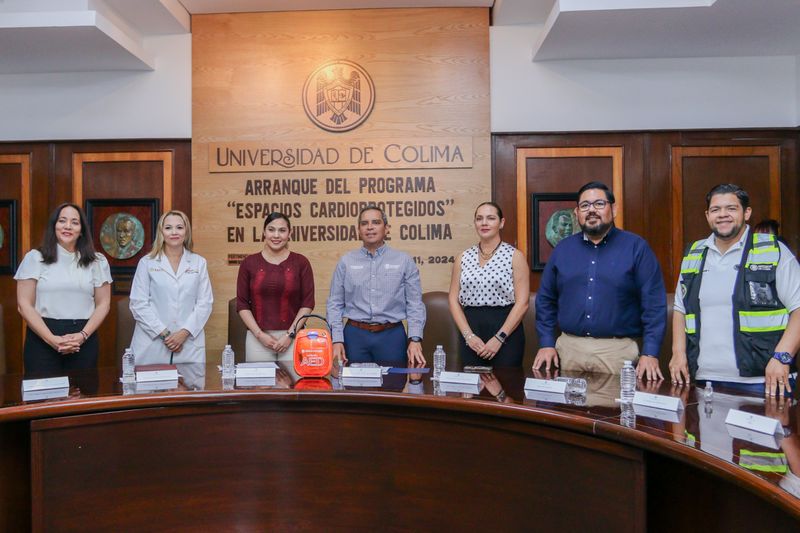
pixel 587 354
pixel 255 351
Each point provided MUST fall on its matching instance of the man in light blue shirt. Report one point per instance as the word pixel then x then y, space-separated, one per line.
pixel 376 288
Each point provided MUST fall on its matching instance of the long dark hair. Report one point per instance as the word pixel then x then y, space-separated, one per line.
pixel 84 246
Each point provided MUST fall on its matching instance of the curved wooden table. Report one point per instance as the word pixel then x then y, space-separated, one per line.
pixel 403 456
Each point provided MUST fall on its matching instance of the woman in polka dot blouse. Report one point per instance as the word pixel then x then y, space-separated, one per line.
pixel 489 293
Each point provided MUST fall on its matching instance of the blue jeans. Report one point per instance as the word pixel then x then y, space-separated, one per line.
pixel 387 346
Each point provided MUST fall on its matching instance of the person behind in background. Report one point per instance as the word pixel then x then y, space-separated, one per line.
pixel 171 297
pixel 275 288
pixel 63 294
pixel 736 319
pixel 771 226
pixel 601 287
pixel 376 288
pixel 489 293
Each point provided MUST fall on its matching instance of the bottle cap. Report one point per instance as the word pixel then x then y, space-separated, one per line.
pixel 439 347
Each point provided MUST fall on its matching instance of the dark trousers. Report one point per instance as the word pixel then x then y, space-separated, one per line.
pixel 387 346
pixel 485 322
pixel 43 361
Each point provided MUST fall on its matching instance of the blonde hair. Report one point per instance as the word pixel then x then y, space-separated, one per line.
pixel 158 244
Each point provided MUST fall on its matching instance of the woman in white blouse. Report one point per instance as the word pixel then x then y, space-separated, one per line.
pixel 489 293
pixel 63 294
pixel 171 297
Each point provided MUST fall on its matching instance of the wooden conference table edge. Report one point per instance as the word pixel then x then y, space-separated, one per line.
pixel 604 428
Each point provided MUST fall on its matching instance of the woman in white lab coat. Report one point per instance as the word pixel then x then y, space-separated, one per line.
pixel 171 297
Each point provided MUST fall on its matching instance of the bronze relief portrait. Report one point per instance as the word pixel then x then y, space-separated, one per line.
pixel 122 235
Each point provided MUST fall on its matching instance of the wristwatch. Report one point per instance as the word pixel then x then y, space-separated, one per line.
pixel 415 339
pixel 291 333
pixel 501 336
pixel 784 357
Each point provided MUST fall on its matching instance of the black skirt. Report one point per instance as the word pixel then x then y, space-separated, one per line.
pixel 485 322
pixel 41 360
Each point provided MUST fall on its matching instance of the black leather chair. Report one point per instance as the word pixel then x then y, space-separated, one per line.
pixel 125 325
pixel 440 329
pixel 2 344
pixel 237 332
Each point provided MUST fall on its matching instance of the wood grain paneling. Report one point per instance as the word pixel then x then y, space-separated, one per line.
pixel 530 178
pixel 16 182
pixel 83 159
pixel 105 169
pixel 430 69
pixel 696 169
pixel 654 166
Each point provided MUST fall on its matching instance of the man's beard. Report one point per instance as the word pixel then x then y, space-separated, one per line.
pixel 597 231
pixel 734 231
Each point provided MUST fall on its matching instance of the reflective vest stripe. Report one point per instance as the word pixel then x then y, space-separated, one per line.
pixel 760 321
pixel 765 250
pixel 691 324
pixel 763 461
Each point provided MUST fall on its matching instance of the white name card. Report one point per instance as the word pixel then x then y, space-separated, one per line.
pixel 546 385
pixel 153 386
pixel 761 424
pixel 463 388
pixel 543 396
pixel 666 415
pixel 772 442
pixel 29 385
pixel 157 375
pixel 262 364
pixel 466 378
pixel 657 401
pixel 361 372
pixel 45 394
pixel 255 372
pixel 255 381
pixel 363 382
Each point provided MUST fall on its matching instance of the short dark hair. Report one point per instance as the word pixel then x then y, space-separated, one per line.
pixel 497 207
pixel 373 207
pixel 274 216
pixel 729 188
pixel 597 185
pixel 84 245
pixel 768 225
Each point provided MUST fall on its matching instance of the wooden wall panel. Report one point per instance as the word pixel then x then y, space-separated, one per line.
pixel 21 168
pixel 430 69
pixel 564 170
pixel 666 176
pixel 696 170
pixel 108 169
pixel 562 163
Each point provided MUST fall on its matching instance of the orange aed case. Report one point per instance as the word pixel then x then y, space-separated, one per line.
pixel 313 351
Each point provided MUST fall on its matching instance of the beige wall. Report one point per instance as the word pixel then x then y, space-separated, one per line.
pixel 431 76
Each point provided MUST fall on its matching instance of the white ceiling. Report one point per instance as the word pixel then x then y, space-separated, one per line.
pixel 85 35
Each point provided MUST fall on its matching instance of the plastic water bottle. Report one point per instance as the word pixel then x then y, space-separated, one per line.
pixel 627 417
pixel 128 366
pixel 439 361
pixel 627 382
pixel 575 386
pixel 228 368
pixel 708 392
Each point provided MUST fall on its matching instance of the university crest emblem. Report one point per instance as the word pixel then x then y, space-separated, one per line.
pixel 338 96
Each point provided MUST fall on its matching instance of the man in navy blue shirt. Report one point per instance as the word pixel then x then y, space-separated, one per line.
pixel 602 288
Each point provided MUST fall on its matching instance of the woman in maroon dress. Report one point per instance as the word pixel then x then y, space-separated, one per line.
pixel 274 289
